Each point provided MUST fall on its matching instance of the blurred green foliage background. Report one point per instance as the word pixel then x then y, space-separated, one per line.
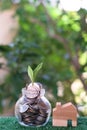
pixel 50 35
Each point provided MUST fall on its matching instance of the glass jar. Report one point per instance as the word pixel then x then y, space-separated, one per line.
pixel 32 108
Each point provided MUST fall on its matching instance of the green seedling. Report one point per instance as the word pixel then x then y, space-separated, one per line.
pixel 33 73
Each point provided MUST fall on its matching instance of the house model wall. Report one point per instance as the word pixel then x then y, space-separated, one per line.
pixel 63 113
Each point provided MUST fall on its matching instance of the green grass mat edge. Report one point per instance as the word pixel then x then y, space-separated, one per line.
pixel 11 123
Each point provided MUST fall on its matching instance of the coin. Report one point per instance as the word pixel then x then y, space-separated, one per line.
pixel 33 90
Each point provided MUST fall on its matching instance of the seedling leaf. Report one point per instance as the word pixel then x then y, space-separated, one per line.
pixel 36 70
pixel 31 74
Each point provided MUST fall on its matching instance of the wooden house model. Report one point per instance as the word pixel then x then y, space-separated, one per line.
pixel 63 113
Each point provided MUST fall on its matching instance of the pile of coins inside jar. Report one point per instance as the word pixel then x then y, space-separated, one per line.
pixel 33 109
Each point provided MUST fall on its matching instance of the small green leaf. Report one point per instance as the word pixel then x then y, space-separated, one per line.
pixel 31 74
pixel 36 70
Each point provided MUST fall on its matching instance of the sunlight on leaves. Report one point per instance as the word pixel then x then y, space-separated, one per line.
pixel 83 58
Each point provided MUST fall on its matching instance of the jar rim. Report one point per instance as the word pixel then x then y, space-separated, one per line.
pixel 26 93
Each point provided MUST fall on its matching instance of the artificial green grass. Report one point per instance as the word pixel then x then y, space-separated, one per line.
pixel 11 123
